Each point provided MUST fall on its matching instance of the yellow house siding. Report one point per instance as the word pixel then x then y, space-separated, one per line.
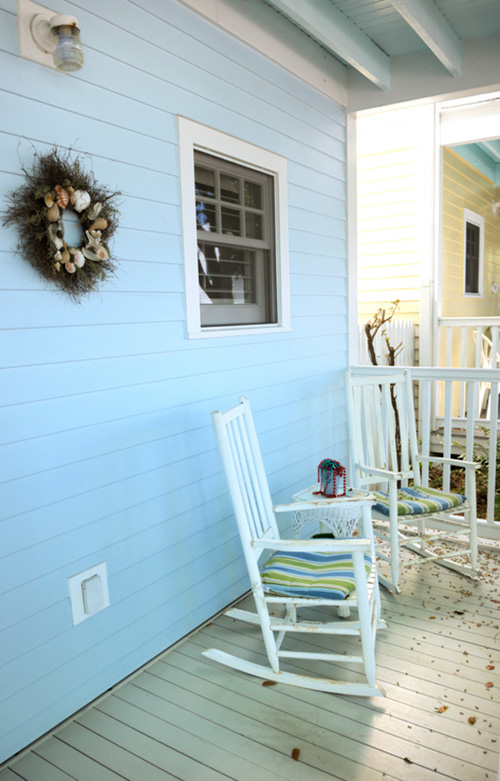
pixel 465 188
pixel 391 179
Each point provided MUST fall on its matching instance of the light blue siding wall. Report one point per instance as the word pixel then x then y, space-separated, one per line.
pixel 109 453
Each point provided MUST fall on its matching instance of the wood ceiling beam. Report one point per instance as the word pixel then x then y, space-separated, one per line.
pixel 429 23
pixel 492 148
pixel 326 24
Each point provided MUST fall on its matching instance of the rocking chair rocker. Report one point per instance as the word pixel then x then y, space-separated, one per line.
pixel 300 574
pixel 415 517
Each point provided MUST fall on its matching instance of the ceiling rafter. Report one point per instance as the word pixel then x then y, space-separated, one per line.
pixel 429 23
pixel 492 148
pixel 324 22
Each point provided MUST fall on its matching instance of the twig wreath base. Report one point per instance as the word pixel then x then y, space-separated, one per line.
pixel 53 184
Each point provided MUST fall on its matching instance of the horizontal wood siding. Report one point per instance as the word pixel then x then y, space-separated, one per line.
pixel 109 453
pixel 464 187
pixel 394 214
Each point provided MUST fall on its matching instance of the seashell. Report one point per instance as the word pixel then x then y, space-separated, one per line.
pixel 57 266
pixel 95 210
pixel 78 259
pixel 62 196
pixel 49 200
pixel 70 267
pixel 72 250
pixel 102 253
pixel 65 256
pixel 99 225
pixel 70 189
pixel 80 200
pixel 89 254
pixel 93 240
pixel 58 242
pixel 58 255
pixel 53 213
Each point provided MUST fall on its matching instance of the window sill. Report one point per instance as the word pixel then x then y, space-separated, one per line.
pixel 247 330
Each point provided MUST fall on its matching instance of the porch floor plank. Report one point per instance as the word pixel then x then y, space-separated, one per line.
pixel 186 717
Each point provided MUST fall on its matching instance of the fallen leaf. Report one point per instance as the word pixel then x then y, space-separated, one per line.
pixel 442 708
pixel 269 683
pixel 489 684
pixel 295 754
pixel 432 617
pixel 490 666
pixel 408 761
pixel 459 612
pixel 471 719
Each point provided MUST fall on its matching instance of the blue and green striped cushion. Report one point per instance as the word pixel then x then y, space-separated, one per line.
pixel 329 575
pixel 419 500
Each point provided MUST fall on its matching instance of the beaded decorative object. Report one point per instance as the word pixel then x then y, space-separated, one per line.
pixel 331 478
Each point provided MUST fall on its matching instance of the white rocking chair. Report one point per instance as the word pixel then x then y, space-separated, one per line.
pixel 415 517
pixel 489 360
pixel 276 591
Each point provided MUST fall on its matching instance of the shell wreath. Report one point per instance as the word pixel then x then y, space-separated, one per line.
pixel 55 184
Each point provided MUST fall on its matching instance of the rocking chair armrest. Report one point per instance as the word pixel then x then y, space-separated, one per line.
pixel 388 474
pixel 451 461
pixel 348 545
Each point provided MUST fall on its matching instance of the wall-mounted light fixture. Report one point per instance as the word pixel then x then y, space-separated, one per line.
pixel 496 207
pixel 48 38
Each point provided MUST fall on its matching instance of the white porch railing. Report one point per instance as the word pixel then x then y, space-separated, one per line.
pixel 444 432
pixel 471 342
pixel 399 332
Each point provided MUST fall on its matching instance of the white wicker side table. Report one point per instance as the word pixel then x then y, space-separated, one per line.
pixel 341 515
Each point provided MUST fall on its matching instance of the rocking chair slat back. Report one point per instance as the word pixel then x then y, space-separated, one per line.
pixel 245 472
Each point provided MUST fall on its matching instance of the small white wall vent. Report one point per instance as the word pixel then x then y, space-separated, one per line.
pixel 88 592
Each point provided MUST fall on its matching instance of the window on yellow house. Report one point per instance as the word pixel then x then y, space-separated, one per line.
pixel 473 253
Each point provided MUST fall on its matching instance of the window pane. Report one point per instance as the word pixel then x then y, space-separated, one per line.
pixel 472 244
pixel 237 277
pixel 226 275
pixel 204 182
pixel 229 188
pixel 253 225
pixel 253 195
pixel 230 221
pixel 205 216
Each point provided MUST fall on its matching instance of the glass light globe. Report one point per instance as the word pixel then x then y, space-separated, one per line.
pixel 68 52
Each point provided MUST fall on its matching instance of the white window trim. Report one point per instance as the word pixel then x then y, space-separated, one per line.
pixel 193 135
pixel 475 219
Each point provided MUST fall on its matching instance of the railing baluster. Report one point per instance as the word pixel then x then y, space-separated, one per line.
pixel 425 400
pixel 492 451
pixel 494 347
pixel 448 398
pixel 463 364
pixel 449 343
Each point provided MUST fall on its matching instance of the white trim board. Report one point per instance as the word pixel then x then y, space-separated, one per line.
pixel 193 135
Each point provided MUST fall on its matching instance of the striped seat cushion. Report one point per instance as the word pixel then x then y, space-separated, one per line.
pixel 329 575
pixel 419 500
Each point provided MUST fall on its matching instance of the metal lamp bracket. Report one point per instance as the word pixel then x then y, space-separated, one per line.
pixel 40 30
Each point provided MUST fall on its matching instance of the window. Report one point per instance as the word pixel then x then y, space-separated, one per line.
pixel 234 232
pixel 473 253
pixel 234 216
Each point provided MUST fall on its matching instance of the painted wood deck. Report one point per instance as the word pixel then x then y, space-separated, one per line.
pixel 185 717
